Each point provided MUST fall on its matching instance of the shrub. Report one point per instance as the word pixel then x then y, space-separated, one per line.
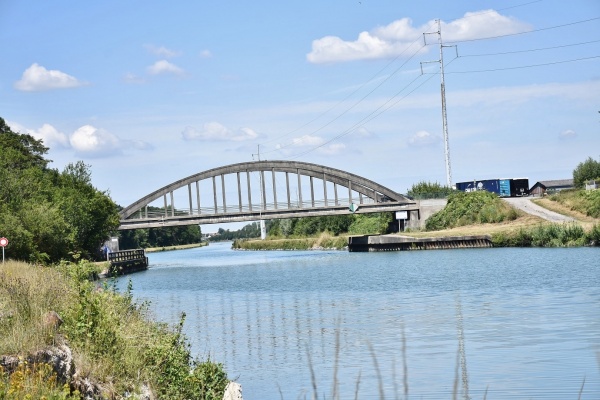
pixel 593 236
pixel 370 224
pixel 429 190
pixel 471 208
pixel 549 235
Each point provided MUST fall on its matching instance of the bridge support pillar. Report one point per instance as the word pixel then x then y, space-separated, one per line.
pixel 263 230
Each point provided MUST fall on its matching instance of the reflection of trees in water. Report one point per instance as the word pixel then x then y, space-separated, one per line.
pixel 461 356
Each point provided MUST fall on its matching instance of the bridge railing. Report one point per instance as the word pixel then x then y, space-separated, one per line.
pixel 230 209
pixel 126 255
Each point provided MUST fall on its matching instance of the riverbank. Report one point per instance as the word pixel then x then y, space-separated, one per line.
pixel 524 231
pixel 66 336
pixel 324 241
pixel 179 247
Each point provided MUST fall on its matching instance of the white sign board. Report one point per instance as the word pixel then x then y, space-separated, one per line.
pixel 401 214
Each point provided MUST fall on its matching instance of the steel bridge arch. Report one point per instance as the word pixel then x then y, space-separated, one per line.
pixel 377 194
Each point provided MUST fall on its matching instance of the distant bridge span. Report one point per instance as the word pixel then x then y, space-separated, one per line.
pixel 260 190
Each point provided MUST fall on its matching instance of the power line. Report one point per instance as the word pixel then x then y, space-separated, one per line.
pixel 363 85
pixel 374 114
pixel 358 101
pixel 343 100
pixel 383 107
pixel 524 32
pixel 418 39
pixel 529 50
pixel 523 66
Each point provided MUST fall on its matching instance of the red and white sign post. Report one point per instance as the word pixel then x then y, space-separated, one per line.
pixel 3 243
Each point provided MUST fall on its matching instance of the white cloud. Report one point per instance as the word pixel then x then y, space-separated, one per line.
pixel 206 54
pixel 393 39
pixel 482 24
pixel 310 141
pixel 92 141
pixel 164 67
pixel 48 134
pixel 332 149
pixel 133 78
pixel 51 137
pixel 216 131
pixel 162 51
pixel 362 132
pixel 424 139
pixel 307 140
pixel 568 134
pixel 37 78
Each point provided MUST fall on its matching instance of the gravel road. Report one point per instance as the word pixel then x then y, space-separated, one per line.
pixel 525 204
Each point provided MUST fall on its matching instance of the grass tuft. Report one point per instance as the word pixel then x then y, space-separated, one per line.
pixel 113 340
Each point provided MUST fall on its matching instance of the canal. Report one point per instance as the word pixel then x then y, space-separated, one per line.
pixel 479 323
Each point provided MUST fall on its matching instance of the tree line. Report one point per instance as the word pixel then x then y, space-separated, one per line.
pixel 49 215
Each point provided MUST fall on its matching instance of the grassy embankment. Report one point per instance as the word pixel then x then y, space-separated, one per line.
pixel 116 348
pixel 324 240
pixel 178 247
pixel 482 213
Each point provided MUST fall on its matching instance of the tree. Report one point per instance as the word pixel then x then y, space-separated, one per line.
pixel 586 171
pixel 429 190
pixel 47 214
pixel 21 150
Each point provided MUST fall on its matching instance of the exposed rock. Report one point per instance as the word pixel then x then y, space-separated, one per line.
pixel 59 358
pixel 89 389
pixel 146 393
pixel 9 363
pixel 233 391
pixel 52 320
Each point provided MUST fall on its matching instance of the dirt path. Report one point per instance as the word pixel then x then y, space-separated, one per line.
pixel 525 204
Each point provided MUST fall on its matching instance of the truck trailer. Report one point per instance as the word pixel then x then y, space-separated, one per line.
pixel 502 187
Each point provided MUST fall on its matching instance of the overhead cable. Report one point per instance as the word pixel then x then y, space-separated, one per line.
pixel 524 32
pixel 523 66
pixel 528 50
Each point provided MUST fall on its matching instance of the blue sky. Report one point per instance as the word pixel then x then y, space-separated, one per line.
pixel 149 92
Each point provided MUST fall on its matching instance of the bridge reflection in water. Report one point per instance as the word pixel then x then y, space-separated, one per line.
pixel 261 190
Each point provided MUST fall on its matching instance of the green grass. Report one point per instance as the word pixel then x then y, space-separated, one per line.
pixel 479 207
pixel 549 235
pixel 586 202
pixel 323 241
pixel 113 340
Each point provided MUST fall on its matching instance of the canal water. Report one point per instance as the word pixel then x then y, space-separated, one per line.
pixel 472 323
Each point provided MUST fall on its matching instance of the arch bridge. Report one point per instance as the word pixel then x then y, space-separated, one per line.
pixel 257 190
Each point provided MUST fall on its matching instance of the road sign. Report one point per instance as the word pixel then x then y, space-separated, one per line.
pixel 3 243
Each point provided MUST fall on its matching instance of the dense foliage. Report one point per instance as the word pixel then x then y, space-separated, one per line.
pixel 117 348
pixel 428 190
pixel 471 208
pixel 586 171
pixel 159 237
pixel 357 224
pixel 48 215
pixel 249 231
